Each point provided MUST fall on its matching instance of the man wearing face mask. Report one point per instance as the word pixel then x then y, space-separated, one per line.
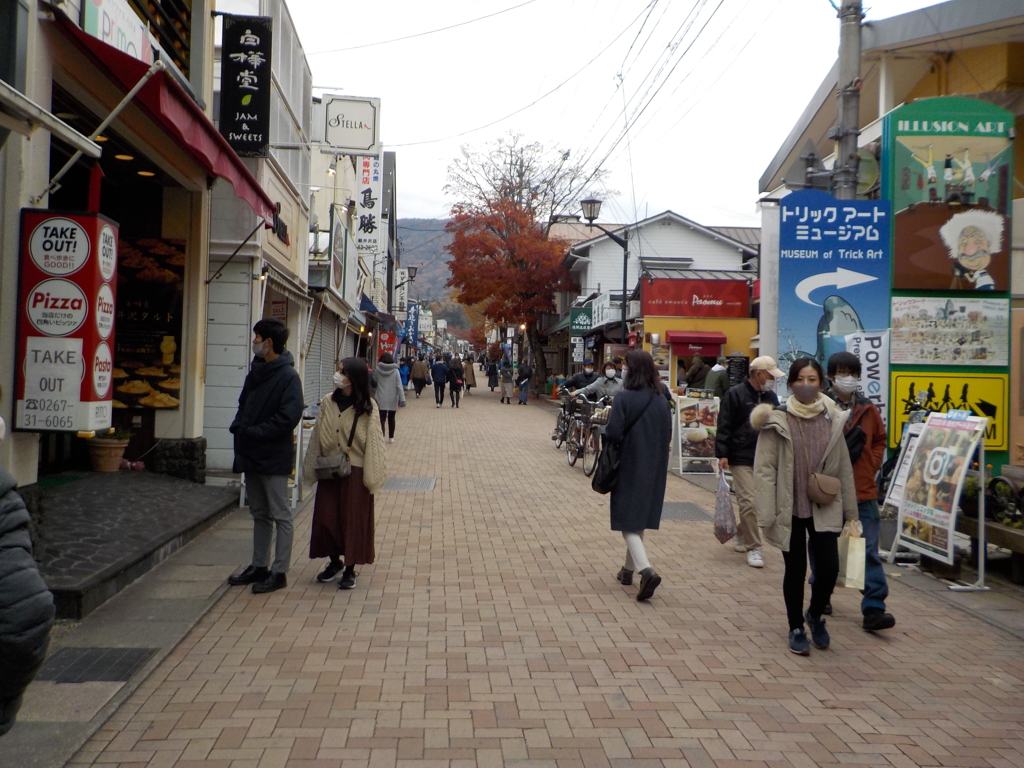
pixel 584 378
pixel 865 439
pixel 736 443
pixel 269 407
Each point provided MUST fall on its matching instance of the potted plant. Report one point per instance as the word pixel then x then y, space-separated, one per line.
pixel 969 497
pixel 106 451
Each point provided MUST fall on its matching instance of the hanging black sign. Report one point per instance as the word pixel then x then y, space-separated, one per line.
pixel 245 84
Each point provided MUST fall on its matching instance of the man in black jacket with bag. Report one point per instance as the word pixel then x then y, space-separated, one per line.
pixel 736 443
pixel 269 407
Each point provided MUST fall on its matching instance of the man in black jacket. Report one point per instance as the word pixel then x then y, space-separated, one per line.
pixel 26 605
pixel 736 443
pixel 268 409
pixel 584 378
pixel 523 376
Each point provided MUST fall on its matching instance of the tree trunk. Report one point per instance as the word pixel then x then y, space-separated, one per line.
pixel 540 370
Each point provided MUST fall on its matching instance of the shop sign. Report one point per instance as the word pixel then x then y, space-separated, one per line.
pixel 245 84
pixel 950 331
pixel 834 263
pixel 65 316
pixel 353 125
pixel 279 309
pixel 576 345
pixel 401 289
pixel 368 207
pixel 115 23
pixel 410 329
pixel 695 298
pixel 934 480
pixel 949 150
pixel 385 343
pixel 872 349
pixel 978 394
pixel 580 320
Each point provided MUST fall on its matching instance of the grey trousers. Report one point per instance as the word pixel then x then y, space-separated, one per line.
pixel 270 506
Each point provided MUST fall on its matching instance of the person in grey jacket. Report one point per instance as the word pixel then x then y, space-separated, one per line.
pixel 26 605
pixel 606 386
pixel 390 394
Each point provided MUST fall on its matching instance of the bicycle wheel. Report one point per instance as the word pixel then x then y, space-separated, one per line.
pixel 591 450
pixel 560 430
pixel 572 445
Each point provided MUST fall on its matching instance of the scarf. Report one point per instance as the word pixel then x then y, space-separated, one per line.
pixel 810 410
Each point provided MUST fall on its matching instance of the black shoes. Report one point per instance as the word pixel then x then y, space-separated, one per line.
pixel 250 575
pixel 649 581
pixel 798 642
pixel 877 619
pixel 328 573
pixel 624 577
pixel 819 635
pixel 272 583
pixel 828 610
pixel 348 579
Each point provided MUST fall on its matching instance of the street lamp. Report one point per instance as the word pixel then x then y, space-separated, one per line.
pixel 591 210
pixel 412 276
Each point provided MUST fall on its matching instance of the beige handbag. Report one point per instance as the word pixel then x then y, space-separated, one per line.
pixel 822 489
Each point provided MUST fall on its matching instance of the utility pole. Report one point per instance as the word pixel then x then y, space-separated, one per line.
pixel 848 112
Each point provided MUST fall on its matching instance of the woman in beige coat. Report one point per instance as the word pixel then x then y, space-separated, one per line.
pixel 343 510
pixel 802 436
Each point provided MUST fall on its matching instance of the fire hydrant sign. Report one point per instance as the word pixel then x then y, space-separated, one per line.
pixel 65 321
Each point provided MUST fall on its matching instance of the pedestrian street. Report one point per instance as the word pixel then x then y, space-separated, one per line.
pixel 491 632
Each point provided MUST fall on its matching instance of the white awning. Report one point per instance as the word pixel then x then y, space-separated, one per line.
pixel 20 114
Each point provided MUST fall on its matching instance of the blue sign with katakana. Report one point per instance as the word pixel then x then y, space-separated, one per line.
pixel 834 272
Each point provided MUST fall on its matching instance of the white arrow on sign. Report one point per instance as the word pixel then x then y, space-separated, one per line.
pixel 841 278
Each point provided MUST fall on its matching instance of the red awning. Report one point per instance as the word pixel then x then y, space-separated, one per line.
pixel 703 343
pixel 167 103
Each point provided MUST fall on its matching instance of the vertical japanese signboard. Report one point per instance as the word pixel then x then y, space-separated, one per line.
pixel 65 321
pixel 580 321
pixel 245 84
pixel 368 208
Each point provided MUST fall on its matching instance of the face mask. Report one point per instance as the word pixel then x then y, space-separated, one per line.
pixel 340 380
pixel 588 370
pixel 610 373
pixel 258 349
pixel 768 385
pixel 806 393
pixel 845 385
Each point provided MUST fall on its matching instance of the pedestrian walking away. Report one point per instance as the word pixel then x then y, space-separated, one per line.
pixel 404 370
pixel 641 424
pixel 805 491
pixel 343 510
pixel 523 377
pixel 735 444
pixel 470 377
pixel 269 408
pixel 439 373
pixel 507 379
pixel 419 375
pixel 456 378
pixel 390 394
pixel 697 374
pixel 718 377
pixel 492 374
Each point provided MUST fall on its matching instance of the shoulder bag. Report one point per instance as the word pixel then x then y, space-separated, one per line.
pixel 606 476
pixel 337 466
pixel 822 489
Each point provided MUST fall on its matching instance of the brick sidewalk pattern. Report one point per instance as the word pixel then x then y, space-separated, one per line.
pixel 491 632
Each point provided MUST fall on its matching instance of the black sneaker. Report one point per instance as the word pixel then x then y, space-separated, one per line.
pixel 828 610
pixel 876 619
pixel 250 575
pixel 819 635
pixel 798 642
pixel 624 577
pixel 649 581
pixel 348 579
pixel 272 583
pixel 328 573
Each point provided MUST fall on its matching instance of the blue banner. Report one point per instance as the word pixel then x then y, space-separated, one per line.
pixel 411 329
pixel 834 272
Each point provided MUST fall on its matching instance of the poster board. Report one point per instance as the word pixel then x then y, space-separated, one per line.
pixel 894 494
pixel 950 331
pixel 696 428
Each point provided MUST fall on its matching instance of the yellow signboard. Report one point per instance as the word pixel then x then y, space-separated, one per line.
pixel 981 394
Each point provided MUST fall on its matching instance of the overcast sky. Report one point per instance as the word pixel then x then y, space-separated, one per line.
pixel 709 88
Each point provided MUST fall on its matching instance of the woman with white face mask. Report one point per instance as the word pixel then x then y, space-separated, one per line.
pixel 607 386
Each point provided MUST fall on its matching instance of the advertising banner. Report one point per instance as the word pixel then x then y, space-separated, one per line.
pixel 955 331
pixel 662 355
pixel 980 394
pixel 698 423
pixel 834 265
pixel 934 480
pixel 386 341
pixel 245 84
pixel 66 300
pixel 695 298
pixel 872 347
pixel 115 23
pixel 941 151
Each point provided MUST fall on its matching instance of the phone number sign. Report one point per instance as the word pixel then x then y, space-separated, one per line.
pixel 65 321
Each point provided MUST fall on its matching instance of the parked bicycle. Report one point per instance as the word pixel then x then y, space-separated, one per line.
pixel 584 437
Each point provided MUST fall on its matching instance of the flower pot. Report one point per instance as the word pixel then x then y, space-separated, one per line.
pixel 106 454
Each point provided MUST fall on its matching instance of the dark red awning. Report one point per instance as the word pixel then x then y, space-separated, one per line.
pixel 704 343
pixel 167 103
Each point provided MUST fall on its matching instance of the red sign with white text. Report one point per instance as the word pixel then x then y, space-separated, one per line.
pixel 694 298
pixel 385 343
pixel 67 283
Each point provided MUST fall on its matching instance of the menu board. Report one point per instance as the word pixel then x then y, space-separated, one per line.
pixel 739 369
pixel 698 423
pixel 950 331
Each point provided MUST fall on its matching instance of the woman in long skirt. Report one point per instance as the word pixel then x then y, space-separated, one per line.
pixel 470 378
pixel 343 510
pixel 492 374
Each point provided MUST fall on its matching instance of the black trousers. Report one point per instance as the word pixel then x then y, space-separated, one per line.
pixel 439 392
pixel 455 394
pixel 419 384
pixel 389 418
pixel 825 549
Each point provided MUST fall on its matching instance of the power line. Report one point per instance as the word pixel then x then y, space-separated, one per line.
pixel 422 34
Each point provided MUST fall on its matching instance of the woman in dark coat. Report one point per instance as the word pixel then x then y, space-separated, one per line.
pixel 456 379
pixel 492 374
pixel 641 422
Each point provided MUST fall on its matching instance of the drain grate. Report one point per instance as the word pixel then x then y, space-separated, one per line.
pixel 409 484
pixel 90 665
pixel 684 510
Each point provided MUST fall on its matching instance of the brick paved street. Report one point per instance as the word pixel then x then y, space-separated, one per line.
pixel 490 632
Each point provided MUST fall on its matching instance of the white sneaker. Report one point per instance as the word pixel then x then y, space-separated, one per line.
pixel 754 559
pixel 391 439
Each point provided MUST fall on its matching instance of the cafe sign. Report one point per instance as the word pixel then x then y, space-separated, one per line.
pixel 353 125
pixel 245 84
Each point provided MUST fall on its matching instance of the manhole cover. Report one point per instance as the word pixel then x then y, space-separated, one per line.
pixel 684 510
pixel 90 665
pixel 412 484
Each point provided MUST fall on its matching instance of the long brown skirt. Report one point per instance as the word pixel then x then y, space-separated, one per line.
pixel 343 520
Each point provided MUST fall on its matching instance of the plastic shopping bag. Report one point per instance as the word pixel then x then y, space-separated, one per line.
pixel 852 556
pixel 725 518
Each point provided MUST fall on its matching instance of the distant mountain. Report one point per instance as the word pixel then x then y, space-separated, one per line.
pixel 423 242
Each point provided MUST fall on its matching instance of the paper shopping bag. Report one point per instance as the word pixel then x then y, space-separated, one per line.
pixel 852 559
